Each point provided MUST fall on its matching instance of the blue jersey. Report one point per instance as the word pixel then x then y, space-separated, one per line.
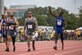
pixel 4 22
pixel 59 22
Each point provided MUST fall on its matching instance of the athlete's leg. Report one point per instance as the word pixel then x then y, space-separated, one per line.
pixel 62 40
pixel 5 39
pixel 0 36
pixel 56 40
pixel 0 39
pixel 8 42
pixel 33 44
pixel 13 42
pixel 28 42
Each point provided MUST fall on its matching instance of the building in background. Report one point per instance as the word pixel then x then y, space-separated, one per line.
pixel 19 10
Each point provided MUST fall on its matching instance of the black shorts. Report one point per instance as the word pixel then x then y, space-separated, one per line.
pixel 29 32
pixel 4 36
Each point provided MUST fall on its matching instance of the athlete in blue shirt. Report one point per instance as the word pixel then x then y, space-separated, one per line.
pixel 60 24
pixel 4 29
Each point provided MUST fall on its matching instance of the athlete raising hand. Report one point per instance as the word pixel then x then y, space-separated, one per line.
pixel 60 24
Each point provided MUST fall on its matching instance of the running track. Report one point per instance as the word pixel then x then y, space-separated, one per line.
pixel 45 48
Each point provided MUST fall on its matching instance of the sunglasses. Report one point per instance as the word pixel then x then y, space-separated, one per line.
pixel 11 15
pixel 29 13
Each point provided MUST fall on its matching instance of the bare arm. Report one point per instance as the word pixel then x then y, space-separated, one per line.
pixel 36 23
pixel 55 15
pixel 17 23
pixel 25 26
pixel 65 23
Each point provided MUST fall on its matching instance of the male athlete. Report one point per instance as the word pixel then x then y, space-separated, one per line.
pixel 12 24
pixel 30 27
pixel 4 28
pixel 60 23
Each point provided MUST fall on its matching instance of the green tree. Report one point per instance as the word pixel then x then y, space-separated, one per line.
pixel 44 18
pixel 80 17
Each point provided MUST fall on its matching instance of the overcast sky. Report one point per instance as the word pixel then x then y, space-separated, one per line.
pixel 66 4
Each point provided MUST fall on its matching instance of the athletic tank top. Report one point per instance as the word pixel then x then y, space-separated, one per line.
pixel 30 24
pixel 4 29
pixel 4 22
pixel 11 24
pixel 59 22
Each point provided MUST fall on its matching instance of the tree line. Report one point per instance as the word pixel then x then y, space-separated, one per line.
pixel 45 19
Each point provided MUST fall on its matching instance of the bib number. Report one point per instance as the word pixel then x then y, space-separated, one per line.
pixel 59 23
pixel 11 28
pixel 29 26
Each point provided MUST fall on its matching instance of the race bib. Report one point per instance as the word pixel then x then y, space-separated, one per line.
pixel 30 26
pixel 58 23
pixel 11 28
pixel 4 24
